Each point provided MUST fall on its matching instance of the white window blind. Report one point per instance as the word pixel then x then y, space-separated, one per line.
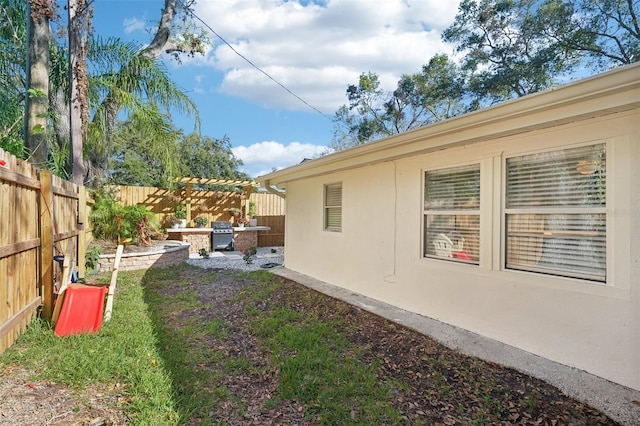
pixel 556 212
pixel 452 213
pixel 333 207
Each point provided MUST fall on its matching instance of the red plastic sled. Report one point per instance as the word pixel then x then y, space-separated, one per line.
pixel 81 311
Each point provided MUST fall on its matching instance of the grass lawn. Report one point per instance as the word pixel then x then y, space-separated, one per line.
pixel 192 346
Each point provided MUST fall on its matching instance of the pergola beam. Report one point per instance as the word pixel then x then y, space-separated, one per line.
pixel 215 181
pixel 247 186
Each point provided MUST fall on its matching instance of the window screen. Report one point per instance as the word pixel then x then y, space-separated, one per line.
pixel 333 207
pixel 555 212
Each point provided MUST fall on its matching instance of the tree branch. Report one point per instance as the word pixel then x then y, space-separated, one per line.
pixel 160 40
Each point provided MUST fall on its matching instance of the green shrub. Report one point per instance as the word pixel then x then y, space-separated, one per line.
pixel 113 222
pixel 92 258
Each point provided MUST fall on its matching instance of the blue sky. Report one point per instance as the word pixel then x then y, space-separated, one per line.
pixel 315 49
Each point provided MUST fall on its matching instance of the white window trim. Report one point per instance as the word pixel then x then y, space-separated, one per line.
pixel 327 207
pixel 425 212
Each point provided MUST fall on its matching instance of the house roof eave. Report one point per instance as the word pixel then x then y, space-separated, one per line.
pixel 607 93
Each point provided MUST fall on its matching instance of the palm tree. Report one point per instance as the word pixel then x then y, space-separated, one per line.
pixel 124 77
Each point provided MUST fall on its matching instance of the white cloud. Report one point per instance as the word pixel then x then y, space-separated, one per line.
pixel 131 25
pixel 316 50
pixel 261 158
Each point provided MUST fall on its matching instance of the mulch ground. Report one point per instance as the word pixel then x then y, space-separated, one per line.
pixel 443 387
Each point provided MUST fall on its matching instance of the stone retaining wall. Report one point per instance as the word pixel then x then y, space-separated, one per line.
pixel 158 258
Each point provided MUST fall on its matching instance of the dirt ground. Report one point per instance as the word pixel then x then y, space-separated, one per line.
pixel 24 402
pixel 427 367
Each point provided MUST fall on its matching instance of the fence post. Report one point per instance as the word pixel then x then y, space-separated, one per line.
pixel 83 220
pixel 46 243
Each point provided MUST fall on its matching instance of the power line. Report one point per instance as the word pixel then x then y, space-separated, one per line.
pixel 254 65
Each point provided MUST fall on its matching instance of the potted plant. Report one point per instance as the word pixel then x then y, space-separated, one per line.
pixel 174 221
pixel 181 214
pixel 200 221
pixel 252 214
pixel 242 221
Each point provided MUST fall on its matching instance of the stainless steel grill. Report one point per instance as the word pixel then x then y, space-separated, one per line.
pixel 221 236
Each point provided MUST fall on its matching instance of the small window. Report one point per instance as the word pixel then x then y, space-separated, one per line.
pixel 555 212
pixel 452 214
pixel 333 207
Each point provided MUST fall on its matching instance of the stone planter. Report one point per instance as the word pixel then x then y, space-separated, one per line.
pixel 162 256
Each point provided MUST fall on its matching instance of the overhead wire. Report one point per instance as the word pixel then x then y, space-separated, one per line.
pixel 194 15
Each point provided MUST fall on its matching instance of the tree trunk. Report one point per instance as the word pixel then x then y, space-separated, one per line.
pixel 38 79
pixel 79 24
pixel 59 106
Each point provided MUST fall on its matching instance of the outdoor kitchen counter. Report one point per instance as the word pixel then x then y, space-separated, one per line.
pixel 198 238
pixel 174 230
pixel 251 228
pixel 247 236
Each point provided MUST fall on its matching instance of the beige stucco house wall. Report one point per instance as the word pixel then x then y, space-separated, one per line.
pixel 379 248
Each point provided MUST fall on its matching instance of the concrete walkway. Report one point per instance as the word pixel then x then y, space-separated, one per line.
pixel 620 403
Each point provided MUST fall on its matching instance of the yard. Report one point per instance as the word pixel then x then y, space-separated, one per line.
pixel 216 346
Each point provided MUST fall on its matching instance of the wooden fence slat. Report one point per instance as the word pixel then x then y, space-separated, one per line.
pixel 22 315
pixel 13 177
pixel 83 222
pixel 11 249
pixel 46 241
pixel 21 245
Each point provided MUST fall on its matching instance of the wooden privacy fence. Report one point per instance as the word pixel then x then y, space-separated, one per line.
pixel 40 215
pixel 270 209
pixel 214 205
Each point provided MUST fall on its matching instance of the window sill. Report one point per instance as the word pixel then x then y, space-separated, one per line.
pixel 574 285
pixel 451 260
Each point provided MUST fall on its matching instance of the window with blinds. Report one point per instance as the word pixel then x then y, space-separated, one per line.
pixel 452 214
pixel 555 212
pixel 333 207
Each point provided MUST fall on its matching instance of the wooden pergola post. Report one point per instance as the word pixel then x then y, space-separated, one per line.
pixel 187 196
pixel 247 195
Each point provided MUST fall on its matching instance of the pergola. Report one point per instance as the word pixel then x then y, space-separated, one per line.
pixel 246 185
